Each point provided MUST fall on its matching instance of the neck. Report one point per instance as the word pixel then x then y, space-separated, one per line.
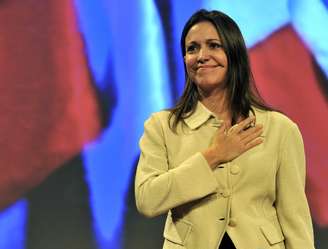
pixel 217 102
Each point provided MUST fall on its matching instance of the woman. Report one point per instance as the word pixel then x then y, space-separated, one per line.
pixel 229 170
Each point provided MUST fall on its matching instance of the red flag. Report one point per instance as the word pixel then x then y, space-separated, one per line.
pixel 48 106
pixel 285 75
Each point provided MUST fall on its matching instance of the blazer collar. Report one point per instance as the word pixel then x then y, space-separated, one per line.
pixel 202 115
pixel 199 117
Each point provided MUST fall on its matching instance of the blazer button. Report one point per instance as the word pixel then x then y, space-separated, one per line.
pixel 232 222
pixel 234 169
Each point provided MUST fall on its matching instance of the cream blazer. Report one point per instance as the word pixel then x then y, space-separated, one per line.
pixel 258 198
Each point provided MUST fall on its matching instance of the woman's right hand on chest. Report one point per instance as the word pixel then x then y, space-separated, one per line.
pixel 228 144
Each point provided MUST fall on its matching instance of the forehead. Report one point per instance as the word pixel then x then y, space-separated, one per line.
pixel 202 31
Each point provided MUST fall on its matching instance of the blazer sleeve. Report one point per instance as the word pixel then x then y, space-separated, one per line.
pixel 291 203
pixel 159 188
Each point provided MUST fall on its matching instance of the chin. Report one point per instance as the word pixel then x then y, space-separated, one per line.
pixel 208 84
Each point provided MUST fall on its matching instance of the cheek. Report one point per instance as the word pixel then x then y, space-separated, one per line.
pixel 190 62
pixel 224 60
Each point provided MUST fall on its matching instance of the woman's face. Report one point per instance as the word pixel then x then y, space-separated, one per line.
pixel 205 59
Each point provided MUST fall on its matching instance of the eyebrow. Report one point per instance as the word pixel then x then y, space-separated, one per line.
pixel 208 40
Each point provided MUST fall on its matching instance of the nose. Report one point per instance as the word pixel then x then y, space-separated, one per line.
pixel 203 55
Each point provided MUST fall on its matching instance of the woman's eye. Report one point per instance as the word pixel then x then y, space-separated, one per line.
pixel 191 49
pixel 215 45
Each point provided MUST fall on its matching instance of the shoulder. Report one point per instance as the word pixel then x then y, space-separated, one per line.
pixel 281 119
pixel 278 126
pixel 158 119
pixel 275 119
pixel 161 115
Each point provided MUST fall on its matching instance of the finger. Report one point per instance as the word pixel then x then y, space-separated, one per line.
pixel 254 143
pixel 233 129
pixel 250 131
pixel 244 124
pixel 252 136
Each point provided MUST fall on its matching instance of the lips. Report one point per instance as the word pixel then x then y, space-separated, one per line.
pixel 205 67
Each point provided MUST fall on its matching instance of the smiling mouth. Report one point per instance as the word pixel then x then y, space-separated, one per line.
pixel 206 67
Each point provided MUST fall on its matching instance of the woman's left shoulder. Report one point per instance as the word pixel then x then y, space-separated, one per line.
pixel 275 118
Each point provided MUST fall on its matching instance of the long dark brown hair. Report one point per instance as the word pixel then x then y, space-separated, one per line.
pixel 242 92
